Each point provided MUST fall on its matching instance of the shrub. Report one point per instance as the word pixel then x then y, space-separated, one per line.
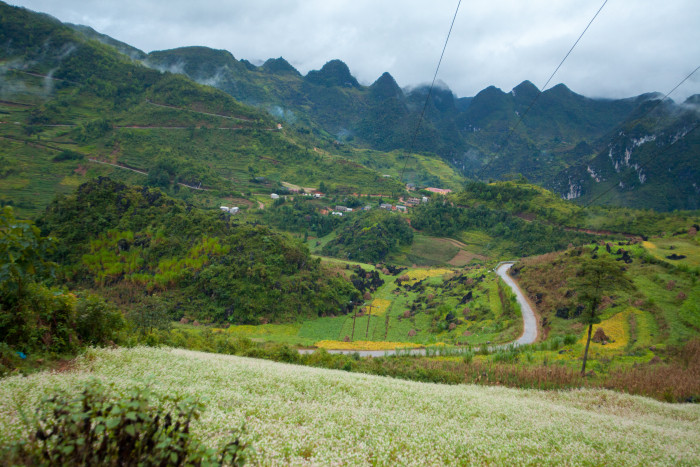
pixel 43 319
pixel 68 155
pixel 94 429
pixel 97 322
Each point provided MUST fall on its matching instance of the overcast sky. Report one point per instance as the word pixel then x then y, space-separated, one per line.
pixel 634 46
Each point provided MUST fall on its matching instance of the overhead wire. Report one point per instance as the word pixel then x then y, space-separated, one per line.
pixel 653 154
pixel 430 91
pixel 665 149
pixel 543 88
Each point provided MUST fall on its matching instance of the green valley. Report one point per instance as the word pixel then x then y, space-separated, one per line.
pixel 208 261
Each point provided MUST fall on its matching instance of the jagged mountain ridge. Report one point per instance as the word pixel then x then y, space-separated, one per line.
pixel 488 135
pixel 653 159
pixel 561 134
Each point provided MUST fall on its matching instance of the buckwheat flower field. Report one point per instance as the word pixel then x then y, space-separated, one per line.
pixel 295 415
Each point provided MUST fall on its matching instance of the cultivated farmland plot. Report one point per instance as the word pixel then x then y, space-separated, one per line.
pixel 297 415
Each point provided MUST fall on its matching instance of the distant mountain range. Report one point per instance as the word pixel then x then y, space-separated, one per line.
pixel 633 152
pixel 578 146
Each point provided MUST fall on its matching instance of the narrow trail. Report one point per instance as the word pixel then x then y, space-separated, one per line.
pixel 529 325
pixel 142 173
pixel 199 112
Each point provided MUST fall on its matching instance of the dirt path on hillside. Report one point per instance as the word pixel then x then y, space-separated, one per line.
pixel 143 173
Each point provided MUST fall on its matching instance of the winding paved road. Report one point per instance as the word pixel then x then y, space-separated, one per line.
pixel 529 324
pixel 529 321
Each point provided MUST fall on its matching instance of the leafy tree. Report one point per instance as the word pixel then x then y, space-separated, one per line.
pixel 23 253
pixel 34 316
pixel 594 278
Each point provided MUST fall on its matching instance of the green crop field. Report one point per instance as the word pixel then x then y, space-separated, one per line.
pixel 431 311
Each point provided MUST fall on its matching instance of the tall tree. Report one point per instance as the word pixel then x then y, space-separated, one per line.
pixel 23 254
pixel 595 277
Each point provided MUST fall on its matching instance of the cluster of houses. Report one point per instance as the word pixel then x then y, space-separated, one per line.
pixel 391 207
pixel 407 203
pixel 340 210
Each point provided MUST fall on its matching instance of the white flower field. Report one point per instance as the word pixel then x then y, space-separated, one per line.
pixel 298 415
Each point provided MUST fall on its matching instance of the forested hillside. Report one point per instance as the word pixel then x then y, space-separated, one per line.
pixel 75 107
pixel 146 251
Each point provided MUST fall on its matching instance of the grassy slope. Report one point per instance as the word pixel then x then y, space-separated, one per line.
pixel 195 143
pixel 651 316
pixel 300 415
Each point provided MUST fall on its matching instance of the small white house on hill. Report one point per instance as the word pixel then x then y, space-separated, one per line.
pixel 230 210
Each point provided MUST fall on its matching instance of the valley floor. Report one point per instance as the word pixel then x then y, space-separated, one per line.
pixel 300 415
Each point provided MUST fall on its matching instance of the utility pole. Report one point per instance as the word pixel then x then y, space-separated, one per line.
pixel 369 315
pixel 352 338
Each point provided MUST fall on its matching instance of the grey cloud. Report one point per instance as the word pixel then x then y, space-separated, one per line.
pixel 633 46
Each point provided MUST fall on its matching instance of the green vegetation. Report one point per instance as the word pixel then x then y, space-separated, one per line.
pixel 370 237
pixel 657 311
pixel 204 265
pixel 511 234
pixel 301 216
pixel 36 318
pixel 93 427
pixel 532 202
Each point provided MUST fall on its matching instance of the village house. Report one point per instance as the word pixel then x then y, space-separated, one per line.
pixel 385 206
pixel 336 213
pixel 274 196
pixel 400 208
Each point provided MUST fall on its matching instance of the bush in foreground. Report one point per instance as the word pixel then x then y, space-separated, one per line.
pixel 95 429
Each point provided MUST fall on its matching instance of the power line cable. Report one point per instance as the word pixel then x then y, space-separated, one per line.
pixel 512 130
pixel 661 101
pixel 692 129
pixel 430 91
pixel 657 154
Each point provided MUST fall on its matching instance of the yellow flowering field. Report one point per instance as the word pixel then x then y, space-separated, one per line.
pixel 379 306
pixel 416 275
pixel 363 345
pixel 615 327
pixel 296 415
pixel 648 245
